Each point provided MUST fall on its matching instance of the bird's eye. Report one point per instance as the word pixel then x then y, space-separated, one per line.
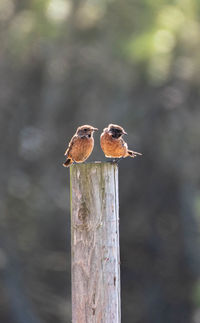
pixel 85 129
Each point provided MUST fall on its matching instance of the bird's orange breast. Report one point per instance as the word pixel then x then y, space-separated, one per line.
pixel 113 147
pixel 81 149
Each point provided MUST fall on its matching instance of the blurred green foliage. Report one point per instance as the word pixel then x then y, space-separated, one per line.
pixel 161 35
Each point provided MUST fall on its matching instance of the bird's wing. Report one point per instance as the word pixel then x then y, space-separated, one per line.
pixel 71 143
pixel 124 144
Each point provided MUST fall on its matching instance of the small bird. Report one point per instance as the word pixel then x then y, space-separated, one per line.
pixel 113 144
pixel 80 146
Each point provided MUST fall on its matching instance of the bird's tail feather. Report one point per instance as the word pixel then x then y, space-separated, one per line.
pixel 133 154
pixel 68 162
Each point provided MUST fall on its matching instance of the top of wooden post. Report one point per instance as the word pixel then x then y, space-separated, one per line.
pixel 95 163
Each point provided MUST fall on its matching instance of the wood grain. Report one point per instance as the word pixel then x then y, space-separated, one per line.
pixel 95 243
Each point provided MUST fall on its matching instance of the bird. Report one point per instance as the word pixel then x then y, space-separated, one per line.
pixel 113 145
pixel 80 146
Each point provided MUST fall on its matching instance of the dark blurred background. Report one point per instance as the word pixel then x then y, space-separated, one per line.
pixel 65 63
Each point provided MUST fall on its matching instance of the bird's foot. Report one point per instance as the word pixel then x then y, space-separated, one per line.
pixel 117 160
pixel 113 160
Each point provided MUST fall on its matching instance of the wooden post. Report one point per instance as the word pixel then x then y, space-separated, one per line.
pixel 95 243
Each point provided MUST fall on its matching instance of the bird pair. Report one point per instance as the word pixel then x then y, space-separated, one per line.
pixel 112 144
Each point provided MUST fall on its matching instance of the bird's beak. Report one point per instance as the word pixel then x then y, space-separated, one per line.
pixel 95 129
pixel 125 133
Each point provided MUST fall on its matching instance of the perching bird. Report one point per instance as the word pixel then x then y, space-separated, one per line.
pixel 113 144
pixel 80 146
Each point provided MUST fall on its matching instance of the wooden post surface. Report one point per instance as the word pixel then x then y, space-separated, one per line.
pixel 95 243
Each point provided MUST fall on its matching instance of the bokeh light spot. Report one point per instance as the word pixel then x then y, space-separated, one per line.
pixel 58 10
pixel 164 41
pixel 6 9
pixel 31 143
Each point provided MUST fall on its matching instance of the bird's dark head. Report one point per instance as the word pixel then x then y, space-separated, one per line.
pixel 116 131
pixel 85 131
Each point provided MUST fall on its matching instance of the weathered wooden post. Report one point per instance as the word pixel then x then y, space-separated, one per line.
pixel 95 243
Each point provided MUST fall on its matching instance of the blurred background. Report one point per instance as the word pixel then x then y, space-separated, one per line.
pixel 65 63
